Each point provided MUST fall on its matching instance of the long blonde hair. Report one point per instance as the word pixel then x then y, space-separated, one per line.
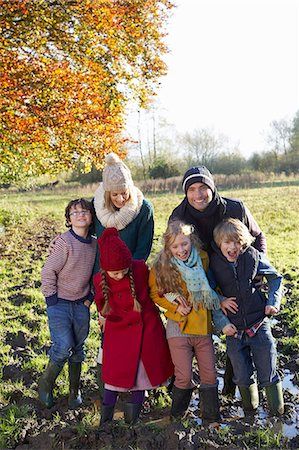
pixel 168 277
pixel 106 292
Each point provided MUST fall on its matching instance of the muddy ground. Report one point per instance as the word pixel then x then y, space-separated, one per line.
pixel 61 428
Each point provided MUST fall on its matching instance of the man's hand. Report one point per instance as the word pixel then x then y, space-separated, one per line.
pixel 229 304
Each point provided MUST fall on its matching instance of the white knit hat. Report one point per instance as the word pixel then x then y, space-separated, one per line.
pixel 116 175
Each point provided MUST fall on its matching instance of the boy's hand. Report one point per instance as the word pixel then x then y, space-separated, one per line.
pixel 229 304
pixel 87 303
pixel 229 330
pixel 183 310
pixel 270 310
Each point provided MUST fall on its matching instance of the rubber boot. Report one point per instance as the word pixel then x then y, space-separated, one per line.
pixel 275 401
pixel 107 412
pixel 250 397
pixel 100 381
pixel 132 412
pixel 209 404
pixel 75 398
pixel 180 401
pixel 46 384
pixel 229 387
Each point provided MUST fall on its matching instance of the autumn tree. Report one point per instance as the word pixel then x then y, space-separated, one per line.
pixel 68 69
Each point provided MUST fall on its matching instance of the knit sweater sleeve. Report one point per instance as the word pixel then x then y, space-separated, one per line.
pixel 260 242
pixel 53 265
pixel 145 232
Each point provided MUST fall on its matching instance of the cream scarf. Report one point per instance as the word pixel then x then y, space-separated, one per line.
pixel 118 219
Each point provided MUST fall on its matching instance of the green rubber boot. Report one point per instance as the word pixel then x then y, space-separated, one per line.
pixel 132 412
pixel 275 401
pixel 180 401
pixel 46 384
pixel 209 404
pixel 107 413
pixel 250 397
pixel 75 398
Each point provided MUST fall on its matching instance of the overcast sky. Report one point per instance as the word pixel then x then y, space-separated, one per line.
pixel 232 66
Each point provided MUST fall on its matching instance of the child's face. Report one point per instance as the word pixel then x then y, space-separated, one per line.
pixel 117 275
pixel 230 249
pixel 79 217
pixel 119 198
pixel 181 247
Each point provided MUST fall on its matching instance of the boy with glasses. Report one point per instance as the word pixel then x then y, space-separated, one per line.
pixel 66 285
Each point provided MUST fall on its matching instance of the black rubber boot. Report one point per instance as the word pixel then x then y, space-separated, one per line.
pixel 107 413
pixel 209 404
pixel 180 401
pixel 229 387
pixel 132 412
pixel 46 384
pixel 75 398
pixel 275 400
pixel 100 381
pixel 250 397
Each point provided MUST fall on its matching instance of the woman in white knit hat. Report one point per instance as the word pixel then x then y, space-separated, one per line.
pixel 120 204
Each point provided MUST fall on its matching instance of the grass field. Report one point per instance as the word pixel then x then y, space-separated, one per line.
pixel 28 221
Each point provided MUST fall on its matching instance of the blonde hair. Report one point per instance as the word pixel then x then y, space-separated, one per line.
pixel 106 292
pixel 108 202
pixel 232 230
pixel 168 277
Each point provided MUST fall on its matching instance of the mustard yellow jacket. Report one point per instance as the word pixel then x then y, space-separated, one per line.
pixel 196 322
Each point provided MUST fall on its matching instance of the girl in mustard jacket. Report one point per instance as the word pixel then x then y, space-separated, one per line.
pixel 135 351
pixel 178 284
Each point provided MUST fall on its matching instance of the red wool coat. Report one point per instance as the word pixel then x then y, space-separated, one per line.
pixel 130 335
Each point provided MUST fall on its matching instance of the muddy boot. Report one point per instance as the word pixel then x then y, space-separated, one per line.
pixel 132 412
pixel 100 381
pixel 107 412
pixel 275 399
pixel 229 387
pixel 46 384
pixel 75 398
pixel 180 401
pixel 209 404
pixel 250 397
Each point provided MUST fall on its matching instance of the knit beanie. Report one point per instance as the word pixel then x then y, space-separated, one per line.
pixel 114 254
pixel 116 175
pixel 198 174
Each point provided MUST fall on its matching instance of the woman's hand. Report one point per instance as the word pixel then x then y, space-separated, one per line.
pixel 229 304
pixel 229 330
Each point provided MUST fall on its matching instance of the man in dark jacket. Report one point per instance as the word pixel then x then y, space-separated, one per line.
pixel 204 208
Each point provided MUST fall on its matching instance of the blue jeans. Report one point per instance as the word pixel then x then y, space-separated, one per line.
pixel 69 328
pixel 258 351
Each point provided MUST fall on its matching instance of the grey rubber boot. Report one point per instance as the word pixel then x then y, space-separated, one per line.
pixel 46 384
pixel 75 398
pixel 107 412
pixel 209 404
pixel 132 412
pixel 275 400
pixel 250 397
pixel 180 401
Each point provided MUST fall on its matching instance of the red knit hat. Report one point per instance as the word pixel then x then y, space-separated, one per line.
pixel 114 254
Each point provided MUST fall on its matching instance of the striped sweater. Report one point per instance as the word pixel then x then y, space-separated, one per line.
pixel 67 272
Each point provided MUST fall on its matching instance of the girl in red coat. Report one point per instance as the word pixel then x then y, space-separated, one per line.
pixel 135 351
